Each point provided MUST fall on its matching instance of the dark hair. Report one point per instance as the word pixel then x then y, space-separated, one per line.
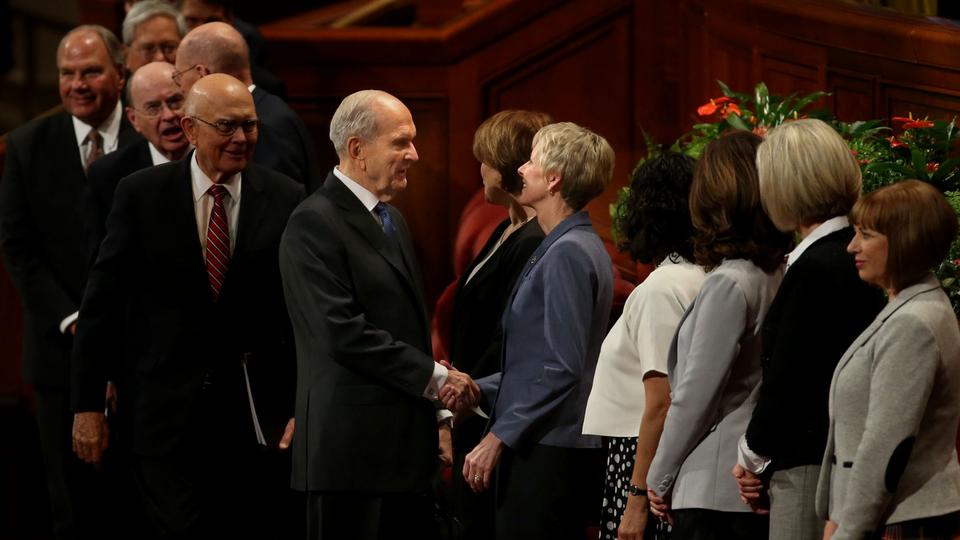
pixel 725 206
pixel 919 225
pixel 504 141
pixel 656 217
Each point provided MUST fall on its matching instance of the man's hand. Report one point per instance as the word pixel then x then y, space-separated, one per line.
pixel 479 463
pixel 828 530
pixel 72 328
pixel 752 490
pixel 90 436
pixel 460 391
pixel 660 507
pixel 287 437
pixel 445 451
pixel 634 520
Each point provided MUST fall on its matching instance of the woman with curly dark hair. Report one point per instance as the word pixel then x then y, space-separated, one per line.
pixel 630 392
pixel 714 360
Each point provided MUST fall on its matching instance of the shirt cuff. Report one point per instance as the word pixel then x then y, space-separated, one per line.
pixel 437 380
pixel 750 460
pixel 444 416
pixel 65 324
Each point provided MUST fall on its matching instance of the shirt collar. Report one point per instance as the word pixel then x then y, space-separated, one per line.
pixel 109 129
pixel 829 226
pixel 251 88
pixel 201 182
pixel 156 156
pixel 368 199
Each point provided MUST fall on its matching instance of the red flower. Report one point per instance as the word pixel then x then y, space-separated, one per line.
pixel 896 143
pixel 956 262
pixel 730 109
pixel 760 130
pixel 711 107
pixel 932 166
pixel 909 122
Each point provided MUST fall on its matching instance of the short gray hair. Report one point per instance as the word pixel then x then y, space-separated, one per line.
pixel 583 159
pixel 355 117
pixel 141 12
pixel 110 41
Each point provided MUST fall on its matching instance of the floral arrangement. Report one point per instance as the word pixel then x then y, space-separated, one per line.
pixel 921 148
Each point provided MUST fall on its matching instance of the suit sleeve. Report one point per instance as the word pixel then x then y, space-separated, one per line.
pixel 718 319
pixel 40 291
pixel 569 285
pixel 317 285
pixel 98 346
pixel 905 363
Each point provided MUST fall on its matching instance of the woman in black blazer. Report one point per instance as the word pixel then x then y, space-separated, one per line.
pixel 809 181
pixel 501 144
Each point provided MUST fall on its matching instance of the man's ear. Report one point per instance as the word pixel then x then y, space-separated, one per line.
pixel 203 69
pixel 189 127
pixel 356 151
pixel 132 117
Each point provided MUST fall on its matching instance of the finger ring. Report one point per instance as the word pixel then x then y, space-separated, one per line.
pixel 476 478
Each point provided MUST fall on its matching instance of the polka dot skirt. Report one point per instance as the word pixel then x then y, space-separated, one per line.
pixel 621 452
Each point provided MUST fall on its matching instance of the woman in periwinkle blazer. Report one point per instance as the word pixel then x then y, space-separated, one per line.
pixel 809 181
pixel 501 144
pixel 549 475
pixel 714 361
pixel 890 468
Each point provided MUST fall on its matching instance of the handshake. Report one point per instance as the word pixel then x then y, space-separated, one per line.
pixel 460 392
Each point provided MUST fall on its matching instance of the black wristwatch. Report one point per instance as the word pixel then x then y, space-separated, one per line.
pixel 637 491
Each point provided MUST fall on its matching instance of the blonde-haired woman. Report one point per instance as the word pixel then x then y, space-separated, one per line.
pixel 809 181
pixel 890 468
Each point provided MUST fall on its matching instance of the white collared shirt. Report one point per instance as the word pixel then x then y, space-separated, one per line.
pixel 203 202
pixel 829 226
pixel 369 200
pixel 156 156
pixel 109 131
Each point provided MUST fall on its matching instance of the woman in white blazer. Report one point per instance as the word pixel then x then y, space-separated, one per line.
pixel 890 467
pixel 714 361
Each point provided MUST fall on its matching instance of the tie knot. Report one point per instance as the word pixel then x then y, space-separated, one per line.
pixel 217 191
pixel 380 209
pixel 95 137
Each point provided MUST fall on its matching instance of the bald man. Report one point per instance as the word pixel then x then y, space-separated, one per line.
pixel 186 295
pixel 284 145
pixel 156 106
pixel 42 241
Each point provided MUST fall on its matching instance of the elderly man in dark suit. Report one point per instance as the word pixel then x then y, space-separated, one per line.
pixel 156 106
pixel 366 444
pixel 191 252
pixel 41 238
pixel 284 145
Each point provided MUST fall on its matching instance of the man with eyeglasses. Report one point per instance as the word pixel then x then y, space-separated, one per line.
pixel 284 144
pixel 155 108
pixel 41 238
pixel 152 31
pixel 186 295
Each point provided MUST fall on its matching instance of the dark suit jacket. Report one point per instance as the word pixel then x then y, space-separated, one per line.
pixel 821 306
pixel 102 179
pixel 363 349
pixel 284 144
pixel 477 337
pixel 184 349
pixel 41 236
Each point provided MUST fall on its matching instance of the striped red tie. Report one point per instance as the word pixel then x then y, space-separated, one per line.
pixel 218 241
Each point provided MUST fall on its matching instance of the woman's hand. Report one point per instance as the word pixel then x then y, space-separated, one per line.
pixel 634 520
pixel 829 529
pixel 479 463
pixel 752 489
pixel 660 507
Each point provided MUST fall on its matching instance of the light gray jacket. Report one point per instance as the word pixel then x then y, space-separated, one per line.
pixel 894 409
pixel 714 370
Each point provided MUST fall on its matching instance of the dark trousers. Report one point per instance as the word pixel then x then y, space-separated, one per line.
pixel 360 516
pixel 79 497
pixel 699 524
pixel 548 492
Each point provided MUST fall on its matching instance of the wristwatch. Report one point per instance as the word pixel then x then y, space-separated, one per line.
pixel 637 491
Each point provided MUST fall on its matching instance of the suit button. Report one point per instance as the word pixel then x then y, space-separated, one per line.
pixel 533 259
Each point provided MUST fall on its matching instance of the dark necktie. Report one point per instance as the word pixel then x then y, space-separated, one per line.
pixel 218 241
pixel 96 148
pixel 386 221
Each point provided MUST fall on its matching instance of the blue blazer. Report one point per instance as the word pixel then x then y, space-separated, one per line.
pixel 553 327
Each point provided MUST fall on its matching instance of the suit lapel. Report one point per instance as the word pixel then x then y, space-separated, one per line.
pixel 253 208
pixel 183 228
pixel 127 134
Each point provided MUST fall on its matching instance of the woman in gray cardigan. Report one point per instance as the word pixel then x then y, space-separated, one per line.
pixel 890 467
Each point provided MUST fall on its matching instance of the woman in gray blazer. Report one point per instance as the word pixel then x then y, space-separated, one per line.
pixel 890 467
pixel 550 475
pixel 714 361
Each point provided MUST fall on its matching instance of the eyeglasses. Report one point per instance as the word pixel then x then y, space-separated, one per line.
pixel 229 127
pixel 177 76
pixel 155 108
pixel 149 50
